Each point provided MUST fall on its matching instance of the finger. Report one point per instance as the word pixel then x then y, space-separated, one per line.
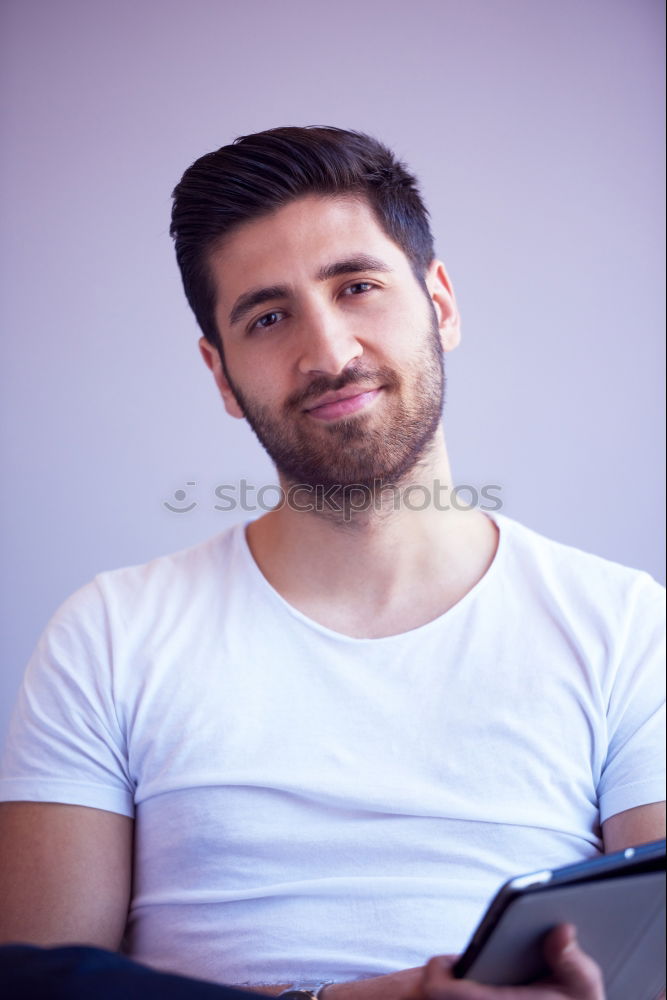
pixel 438 983
pixel 571 967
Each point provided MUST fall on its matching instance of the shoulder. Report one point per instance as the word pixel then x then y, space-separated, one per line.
pixel 206 557
pixel 597 597
pixel 587 576
pixel 122 596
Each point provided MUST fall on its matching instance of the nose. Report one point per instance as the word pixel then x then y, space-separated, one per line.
pixel 328 344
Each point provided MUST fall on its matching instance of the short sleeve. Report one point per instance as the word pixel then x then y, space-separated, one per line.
pixel 634 769
pixel 64 743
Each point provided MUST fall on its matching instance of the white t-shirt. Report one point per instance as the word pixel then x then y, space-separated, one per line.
pixel 309 805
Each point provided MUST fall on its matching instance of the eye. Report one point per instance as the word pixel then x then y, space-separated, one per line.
pixel 267 320
pixel 359 288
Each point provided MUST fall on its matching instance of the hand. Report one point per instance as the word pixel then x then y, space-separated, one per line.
pixel 574 976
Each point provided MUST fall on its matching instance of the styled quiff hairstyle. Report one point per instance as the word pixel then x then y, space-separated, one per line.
pixel 257 174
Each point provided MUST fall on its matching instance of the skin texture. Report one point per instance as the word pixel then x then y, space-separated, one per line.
pixel 65 874
pixel 65 871
pixel 634 826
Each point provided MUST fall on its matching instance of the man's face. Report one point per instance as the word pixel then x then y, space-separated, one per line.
pixel 333 350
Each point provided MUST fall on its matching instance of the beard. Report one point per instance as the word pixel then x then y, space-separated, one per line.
pixel 359 450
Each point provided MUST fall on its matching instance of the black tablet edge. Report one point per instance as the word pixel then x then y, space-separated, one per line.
pixel 619 863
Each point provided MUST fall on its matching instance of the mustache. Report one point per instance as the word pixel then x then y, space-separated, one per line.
pixel 355 374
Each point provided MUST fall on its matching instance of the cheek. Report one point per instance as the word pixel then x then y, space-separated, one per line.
pixel 264 386
pixel 399 332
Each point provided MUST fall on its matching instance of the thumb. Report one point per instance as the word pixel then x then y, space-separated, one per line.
pixel 572 968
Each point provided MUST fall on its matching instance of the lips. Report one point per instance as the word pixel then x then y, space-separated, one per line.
pixel 334 397
pixel 333 405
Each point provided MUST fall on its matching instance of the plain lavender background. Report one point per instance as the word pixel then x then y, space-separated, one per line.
pixel 536 128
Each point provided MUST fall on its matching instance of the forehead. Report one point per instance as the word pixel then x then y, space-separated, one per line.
pixel 292 243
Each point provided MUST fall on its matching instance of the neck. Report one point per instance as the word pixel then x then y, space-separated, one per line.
pixel 373 558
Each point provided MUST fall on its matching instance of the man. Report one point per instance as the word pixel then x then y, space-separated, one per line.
pixel 338 730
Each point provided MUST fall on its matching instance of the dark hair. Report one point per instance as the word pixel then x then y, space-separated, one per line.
pixel 259 173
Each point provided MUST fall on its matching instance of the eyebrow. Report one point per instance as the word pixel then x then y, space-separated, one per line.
pixel 258 296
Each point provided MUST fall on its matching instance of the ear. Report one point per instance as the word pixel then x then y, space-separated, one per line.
pixel 444 303
pixel 211 357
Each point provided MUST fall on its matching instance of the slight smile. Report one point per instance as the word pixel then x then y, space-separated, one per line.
pixel 339 405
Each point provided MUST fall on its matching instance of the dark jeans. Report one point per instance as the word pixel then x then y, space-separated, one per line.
pixel 77 972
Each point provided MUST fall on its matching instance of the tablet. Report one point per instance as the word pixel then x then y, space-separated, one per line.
pixel 616 902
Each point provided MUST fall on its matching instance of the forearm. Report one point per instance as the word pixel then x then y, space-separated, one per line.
pixel 394 986
pixel 269 991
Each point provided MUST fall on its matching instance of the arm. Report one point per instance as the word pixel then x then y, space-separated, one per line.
pixel 65 874
pixel 634 826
